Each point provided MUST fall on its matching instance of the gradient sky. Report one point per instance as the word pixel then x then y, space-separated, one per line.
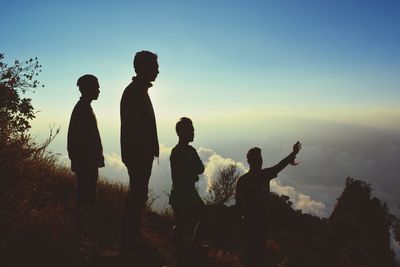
pixel 248 73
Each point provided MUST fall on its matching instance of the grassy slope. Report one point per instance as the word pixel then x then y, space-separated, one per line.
pixel 37 201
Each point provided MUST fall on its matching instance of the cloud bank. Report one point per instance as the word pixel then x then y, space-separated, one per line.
pixel 160 181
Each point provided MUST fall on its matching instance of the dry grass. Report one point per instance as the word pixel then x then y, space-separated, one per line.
pixel 37 225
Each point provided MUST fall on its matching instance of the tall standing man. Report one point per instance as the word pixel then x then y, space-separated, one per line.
pixel 86 154
pixel 139 143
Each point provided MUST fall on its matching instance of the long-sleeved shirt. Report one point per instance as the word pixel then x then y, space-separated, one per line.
pixel 138 123
pixel 185 169
pixel 84 142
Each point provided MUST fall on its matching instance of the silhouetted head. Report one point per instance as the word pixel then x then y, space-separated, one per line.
pixel 184 129
pixel 254 159
pixel 89 86
pixel 146 65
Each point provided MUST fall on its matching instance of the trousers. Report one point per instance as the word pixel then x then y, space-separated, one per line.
pixel 86 185
pixel 139 175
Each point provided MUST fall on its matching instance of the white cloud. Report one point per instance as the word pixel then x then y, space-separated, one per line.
pixel 214 163
pixel 312 187
pixel 300 201
pixel 114 170
pixel 114 160
pixel 160 181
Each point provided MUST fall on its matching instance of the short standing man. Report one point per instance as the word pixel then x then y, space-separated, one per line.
pixel 184 199
pixel 139 143
pixel 252 193
pixel 86 153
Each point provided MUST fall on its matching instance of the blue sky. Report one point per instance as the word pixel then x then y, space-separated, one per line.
pixel 248 73
pixel 336 53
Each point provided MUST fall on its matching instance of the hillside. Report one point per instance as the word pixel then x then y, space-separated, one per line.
pixel 37 199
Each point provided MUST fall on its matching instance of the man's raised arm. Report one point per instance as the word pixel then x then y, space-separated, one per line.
pixel 288 160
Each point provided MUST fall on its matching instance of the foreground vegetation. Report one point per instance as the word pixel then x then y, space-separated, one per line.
pixel 37 226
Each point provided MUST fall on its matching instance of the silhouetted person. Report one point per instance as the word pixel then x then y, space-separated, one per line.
pixel 86 153
pixel 184 199
pixel 139 143
pixel 252 193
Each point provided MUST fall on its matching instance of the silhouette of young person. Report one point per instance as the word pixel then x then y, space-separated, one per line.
pixel 252 193
pixel 86 153
pixel 184 199
pixel 139 143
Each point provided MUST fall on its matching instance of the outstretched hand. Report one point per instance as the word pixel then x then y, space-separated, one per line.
pixel 296 147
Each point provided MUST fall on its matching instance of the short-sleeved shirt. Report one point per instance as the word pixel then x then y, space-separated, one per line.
pixel 186 166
